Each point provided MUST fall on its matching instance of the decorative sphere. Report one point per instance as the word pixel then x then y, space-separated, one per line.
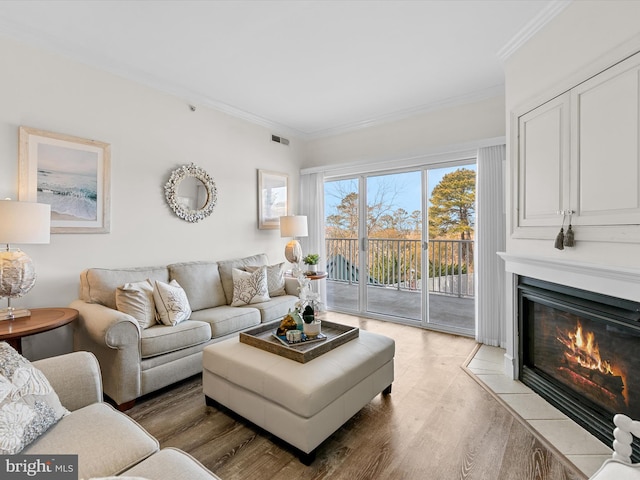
pixel 17 273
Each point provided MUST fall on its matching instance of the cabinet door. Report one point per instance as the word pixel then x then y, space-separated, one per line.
pixel 543 163
pixel 605 164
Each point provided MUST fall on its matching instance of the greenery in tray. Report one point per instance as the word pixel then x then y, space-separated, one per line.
pixel 311 259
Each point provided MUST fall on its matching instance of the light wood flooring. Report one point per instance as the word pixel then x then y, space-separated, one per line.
pixel 437 424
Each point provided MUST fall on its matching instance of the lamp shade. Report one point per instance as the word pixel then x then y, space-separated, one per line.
pixel 24 222
pixel 293 226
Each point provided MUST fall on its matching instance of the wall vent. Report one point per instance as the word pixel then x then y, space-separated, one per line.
pixel 277 139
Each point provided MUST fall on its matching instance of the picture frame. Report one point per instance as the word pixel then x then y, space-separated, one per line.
pixel 71 174
pixel 273 198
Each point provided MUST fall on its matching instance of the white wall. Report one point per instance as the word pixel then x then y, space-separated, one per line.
pixel 150 133
pixel 434 131
pixel 584 39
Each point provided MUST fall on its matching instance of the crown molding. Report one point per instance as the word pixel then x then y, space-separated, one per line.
pixel 530 29
pixel 451 102
pixel 77 53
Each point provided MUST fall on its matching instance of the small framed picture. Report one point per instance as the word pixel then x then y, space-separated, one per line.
pixel 71 174
pixel 273 200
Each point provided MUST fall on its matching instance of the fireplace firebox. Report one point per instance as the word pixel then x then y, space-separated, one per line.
pixel 580 351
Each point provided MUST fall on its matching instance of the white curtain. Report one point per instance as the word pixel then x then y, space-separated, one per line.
pixel 312 205
pixel 490 239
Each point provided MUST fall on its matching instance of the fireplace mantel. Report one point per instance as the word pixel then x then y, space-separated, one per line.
pixel 609 280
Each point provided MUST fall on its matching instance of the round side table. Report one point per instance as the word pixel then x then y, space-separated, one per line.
pixel 40 320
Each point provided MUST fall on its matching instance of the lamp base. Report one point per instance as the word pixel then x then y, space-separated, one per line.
pixel 293 252
pixel 13 313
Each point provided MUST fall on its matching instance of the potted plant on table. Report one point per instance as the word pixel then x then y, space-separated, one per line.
pixel 311 261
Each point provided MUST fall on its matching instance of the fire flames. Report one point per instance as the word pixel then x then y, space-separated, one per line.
pixel 582 351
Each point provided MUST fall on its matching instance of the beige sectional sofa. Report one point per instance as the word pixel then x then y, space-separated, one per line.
pixel 136 360
pixel 107 442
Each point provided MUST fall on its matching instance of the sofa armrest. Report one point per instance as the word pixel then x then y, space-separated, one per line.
pixel 114 338
pixel 107 326
pixel 75 377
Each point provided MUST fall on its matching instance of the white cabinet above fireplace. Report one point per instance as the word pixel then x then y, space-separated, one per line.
pixel 580 153
pixel 543 163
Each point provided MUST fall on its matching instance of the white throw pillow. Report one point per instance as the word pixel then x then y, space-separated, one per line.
pixel 28 404
pixel 171 302
pixel 249 287
pixel 275 278
pixel 136 299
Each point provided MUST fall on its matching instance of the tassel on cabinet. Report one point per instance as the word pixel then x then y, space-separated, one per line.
pixel 569 239
pixel 560 240
pixel 560 237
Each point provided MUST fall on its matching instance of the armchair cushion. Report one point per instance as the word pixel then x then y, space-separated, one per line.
pixel 28 404
pixel 106 441
pixel 171 463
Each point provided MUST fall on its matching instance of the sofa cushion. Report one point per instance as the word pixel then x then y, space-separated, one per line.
pixel 276 308
pixel 106 441
pixel 201 281
pixel 28 404
pixel 226 319
pixel 171 302
pixel 226 267
pixel 136 299
pixel 249 287
pixel 161 339
pixel 98 285
pixel 275 278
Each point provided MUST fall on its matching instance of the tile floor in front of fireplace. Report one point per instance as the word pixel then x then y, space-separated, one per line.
pixel 581 448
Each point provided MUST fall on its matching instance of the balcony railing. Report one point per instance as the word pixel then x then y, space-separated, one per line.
pixel 397 263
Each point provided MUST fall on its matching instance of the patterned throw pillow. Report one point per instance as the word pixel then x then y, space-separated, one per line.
pixel 172 303
pixel 136 299
pixel 275 278
pixel 28 404
pixel 249 287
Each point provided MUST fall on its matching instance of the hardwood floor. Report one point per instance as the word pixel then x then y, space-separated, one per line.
pixel 437 424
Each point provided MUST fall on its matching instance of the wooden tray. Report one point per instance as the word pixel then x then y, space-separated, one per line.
pixel 261 337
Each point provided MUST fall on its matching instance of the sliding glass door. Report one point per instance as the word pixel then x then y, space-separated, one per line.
pixel 400 246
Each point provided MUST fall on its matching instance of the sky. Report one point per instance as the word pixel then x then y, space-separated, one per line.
pixel 407 186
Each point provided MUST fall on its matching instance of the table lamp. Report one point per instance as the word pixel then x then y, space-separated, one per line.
pixel 20 222
pixel 293 226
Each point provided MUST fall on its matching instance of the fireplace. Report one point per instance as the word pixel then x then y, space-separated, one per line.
pixel 580 351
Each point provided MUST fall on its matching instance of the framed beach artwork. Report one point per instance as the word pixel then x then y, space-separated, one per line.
pixel 71 174
pixel 273 201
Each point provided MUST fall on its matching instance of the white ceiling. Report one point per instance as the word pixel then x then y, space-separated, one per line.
pixel 309 68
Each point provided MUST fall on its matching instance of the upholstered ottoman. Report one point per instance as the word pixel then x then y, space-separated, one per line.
pixel 301 403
